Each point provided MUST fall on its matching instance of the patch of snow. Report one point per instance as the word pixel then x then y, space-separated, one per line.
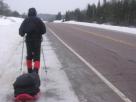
pixel 58 21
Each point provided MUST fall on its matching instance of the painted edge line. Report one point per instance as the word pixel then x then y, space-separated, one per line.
pixel 108 83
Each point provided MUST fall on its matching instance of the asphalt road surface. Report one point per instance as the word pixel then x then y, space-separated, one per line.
pixel 111 53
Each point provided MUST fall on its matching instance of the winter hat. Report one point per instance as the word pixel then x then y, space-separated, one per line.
pixel 32 12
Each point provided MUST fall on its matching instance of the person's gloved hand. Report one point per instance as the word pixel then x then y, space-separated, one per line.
pixel 21 34
pixel 41 39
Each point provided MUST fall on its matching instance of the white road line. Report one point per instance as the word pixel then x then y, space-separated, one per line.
pixel 108 83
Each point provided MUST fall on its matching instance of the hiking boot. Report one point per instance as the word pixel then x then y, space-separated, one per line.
pixel 35 70
pixel 29 70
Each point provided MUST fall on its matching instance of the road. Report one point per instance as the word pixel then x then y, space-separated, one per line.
pixel 111 53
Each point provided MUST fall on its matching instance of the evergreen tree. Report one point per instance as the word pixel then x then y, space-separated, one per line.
pixel 91 12
pixel 78 15
pixel 67 17
pixel 88 12
pixel 104 1
pixel 59 16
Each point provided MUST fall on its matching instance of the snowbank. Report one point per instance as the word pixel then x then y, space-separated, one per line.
pixel 10 43
pixel 9 20
pixel 104 26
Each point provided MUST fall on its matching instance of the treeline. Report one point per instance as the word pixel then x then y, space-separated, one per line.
pixel 5 10
pixel 117 12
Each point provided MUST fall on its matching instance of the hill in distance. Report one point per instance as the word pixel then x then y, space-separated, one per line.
pixel 47 17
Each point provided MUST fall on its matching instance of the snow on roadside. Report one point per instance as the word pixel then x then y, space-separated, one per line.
pixel 104 26
pixel 9 64
pixel 9 20
pixel 55 86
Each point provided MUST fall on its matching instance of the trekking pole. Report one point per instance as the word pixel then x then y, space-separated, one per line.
pixel 22 54
pixel 44 60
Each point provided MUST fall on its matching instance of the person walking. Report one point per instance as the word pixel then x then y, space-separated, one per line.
pixel 33 28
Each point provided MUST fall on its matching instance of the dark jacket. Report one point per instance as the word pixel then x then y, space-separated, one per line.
pixel 32 26
pixel 27 83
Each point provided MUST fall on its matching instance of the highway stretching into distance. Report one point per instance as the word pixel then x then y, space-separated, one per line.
pixel 100 64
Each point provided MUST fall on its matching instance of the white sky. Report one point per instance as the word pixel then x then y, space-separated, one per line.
pixel 48 6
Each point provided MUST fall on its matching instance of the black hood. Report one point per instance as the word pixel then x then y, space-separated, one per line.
pixel 32 12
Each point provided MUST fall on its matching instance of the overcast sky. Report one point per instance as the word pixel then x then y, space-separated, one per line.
pixel 48 6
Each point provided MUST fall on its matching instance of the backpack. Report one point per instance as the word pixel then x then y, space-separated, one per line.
pixel 30 26
pixel 28 83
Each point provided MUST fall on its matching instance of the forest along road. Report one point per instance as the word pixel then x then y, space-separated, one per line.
pixel 102 67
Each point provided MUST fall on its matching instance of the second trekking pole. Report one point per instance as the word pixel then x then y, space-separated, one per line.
pixel 22 54
pixel 44 60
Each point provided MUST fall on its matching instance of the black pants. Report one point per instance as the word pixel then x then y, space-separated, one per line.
pixel 33 50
